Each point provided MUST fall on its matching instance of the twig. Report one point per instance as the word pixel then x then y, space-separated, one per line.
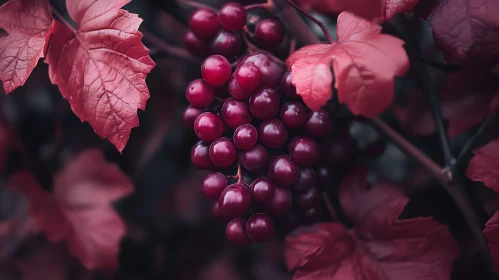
pixel 316 21
pixel 473 140
pixel 435 64
pixel 166 47
pixel 194 4
pixel 295 23
pixel 329 206
pixel 269 5
pixel 436 170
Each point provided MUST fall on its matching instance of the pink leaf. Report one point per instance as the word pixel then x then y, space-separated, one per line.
pixel 484 166
pixel 27 23
pixel 101 67
pixel 79 210
pixel 364 63
pixel 369 9
pixel 467 31
pixel 379 247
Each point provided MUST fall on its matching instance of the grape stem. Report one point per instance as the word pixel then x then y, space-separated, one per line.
pixel 194 4
pixel 472 142
pixel 316 21
pixel 167 47
pixel 269 5
pixel 251 47
pixel 238 175
pixel 329 206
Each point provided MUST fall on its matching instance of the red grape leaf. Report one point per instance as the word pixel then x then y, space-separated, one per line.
pixel 364 63
pixel 101 67
pixel 491 232
pixel 467 30
pixel 380 246
pixel 79 210
pixel 461 92
pixel 27 23
pixel 369 9
pixel 484 166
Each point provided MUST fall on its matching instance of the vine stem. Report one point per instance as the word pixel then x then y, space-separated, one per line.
pixel 168 48
pixel 473 140
pixel 268 5
pixel 193 4
pixel 316 21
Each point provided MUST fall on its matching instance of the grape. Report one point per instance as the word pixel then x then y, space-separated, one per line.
pixel 204 23
pixel 232 16
pixel 217 212
pixel 195 45
pixel 208 126
pixel 270 67
pixel 304 150
pixel 254 159
pixel 293 114
pixel 311 215
pixel 318 123
pixel 236 232
pixel 338 150
pixel 273 133
pixel 245 136
pixel 269 33
pixel 309 199
pixel 216 70
pixel 262 190
pixel 281 202
pixel 223 152
pixel 324 177
pixel 226 44
pixel 306 180
pixel 248 76
pixel 259 227
pixel 190 115
pixel 265 103
pixel 200 156
pixel 199 93
pixel 235 200
pixel 287 86
pixel 235 113
pixel 214 184
pixel 237 91
pixel 283 171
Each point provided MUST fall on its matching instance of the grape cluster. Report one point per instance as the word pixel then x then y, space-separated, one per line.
pixel 263 130
pixel 221 33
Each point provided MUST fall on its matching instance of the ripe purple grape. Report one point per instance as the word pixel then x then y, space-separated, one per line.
pixel 223 152
pixel 259 227
pixel 237 91
pixel 255 159
pixel 214 184
pixel 236 232
pixel 269 33
pixel 232 16
pixel 273 133
pixel 311 215
pixel 216 70
pixel 235 113
pixel 226 44
pixel 235 200
pixel 190 115
pixel 208 126
pixel 293 114
pixel 199 93
pixel 262 190
pixel 308 200
pixel 264 104
pixel 270 67
pixel 204 23
pixel 306 180
pixel 287 86
pixel 281 202
pixel 248 76
pixel 200 156
pixel 245 136
pixel 304 150
pixel 318 123
pixel 283 171
pixel 195 45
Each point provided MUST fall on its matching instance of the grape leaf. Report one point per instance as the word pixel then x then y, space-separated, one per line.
pixel 101 67
pixel 467 31
pixel 79 210
pixel 378 247
pixel 28 24
pixel 491 232
pixel 368 9
pixel 484 166
pixel 364 64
